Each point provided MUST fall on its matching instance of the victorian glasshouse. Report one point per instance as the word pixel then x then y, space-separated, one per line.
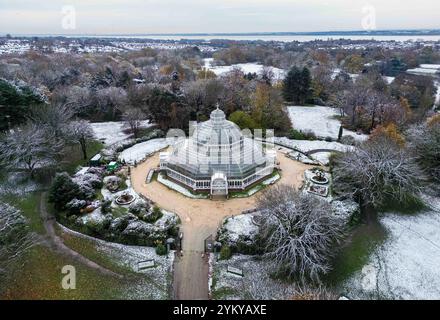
pixel 218 158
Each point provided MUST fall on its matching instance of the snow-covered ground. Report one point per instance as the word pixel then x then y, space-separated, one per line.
pixel 256 284
pixel 321 121
pixel 141 150
pixel 306 146
pixel 17 183
pixel 279 74
pixel 155 283
pixel 113 132
pixel 389 80
pixel 437 97
pixel 406 265
pixel 240 226
pixel 426 69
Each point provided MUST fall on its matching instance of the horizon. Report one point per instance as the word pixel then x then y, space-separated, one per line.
pixel 355 32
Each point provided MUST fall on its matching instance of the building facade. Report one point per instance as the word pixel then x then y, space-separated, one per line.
pixel 218 158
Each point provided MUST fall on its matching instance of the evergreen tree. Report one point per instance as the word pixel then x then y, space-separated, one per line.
pixel 297 86
pixel 63 190
pixel 291 85
pixel 305 87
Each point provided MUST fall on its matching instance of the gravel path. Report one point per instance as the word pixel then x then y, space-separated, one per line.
pixel 58 244
pixel 200 219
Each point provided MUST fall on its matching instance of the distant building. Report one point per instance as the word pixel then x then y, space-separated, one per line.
pixel 218 158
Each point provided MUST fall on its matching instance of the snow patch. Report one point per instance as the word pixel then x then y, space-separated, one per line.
pixel 113 132
pixel 406 265
pixel 305 146
pixel 279 74
pixel 321 121
pixel 140 151
pixel 240 226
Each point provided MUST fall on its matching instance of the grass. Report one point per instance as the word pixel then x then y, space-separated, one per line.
pixel 254 189
pixel 29 206
pixel 119 211
pixel 223 293
pixel 88 249
pixel 412 205
pixel 74 157
pixel 355 254
pixel 38 276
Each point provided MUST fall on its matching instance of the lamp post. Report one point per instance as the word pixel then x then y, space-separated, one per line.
pixel 8 121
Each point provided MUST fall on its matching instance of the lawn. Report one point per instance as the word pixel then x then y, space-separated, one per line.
pixel 37 275
pixel 87 248
pixel 74 157
pixel 355 253
pixel 29 206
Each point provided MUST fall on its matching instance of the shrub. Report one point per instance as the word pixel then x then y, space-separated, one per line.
pixel 155 215
pixel 225 253
pixel 161 250
pixel 348 140
pixel 378 172
pixel 139 207
pixel 106 206
pixel 424 142
pixel 296 135
pixel 75 206
pixel 63 190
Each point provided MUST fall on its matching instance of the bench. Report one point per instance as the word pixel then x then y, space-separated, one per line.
pixel 147 264
pixel 235 271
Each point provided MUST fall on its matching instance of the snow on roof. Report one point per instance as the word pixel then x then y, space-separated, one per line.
pixel 96 157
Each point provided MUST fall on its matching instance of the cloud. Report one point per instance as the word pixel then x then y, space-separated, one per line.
pixel 186 16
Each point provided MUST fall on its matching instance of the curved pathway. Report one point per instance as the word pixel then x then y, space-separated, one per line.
pixel 58 244
pixel 200 219
pixel 309 153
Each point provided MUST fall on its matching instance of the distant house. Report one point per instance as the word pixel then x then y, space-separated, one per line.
pixel 139 81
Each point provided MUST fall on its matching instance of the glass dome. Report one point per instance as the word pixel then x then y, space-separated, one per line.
pixel 217 145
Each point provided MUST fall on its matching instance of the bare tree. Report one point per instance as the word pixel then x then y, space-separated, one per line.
pixel 133 118
pixel 29 147
pixel 79 98
pixel 81 132
pixel 111 100
pixel 299 232
pixel 378 171
pixel 424 141
pixel 15 238
pixel 53 118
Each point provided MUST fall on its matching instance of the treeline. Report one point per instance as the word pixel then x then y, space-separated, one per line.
pixel 171 87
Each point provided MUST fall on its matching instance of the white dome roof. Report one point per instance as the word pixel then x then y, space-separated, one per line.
pixel 217 130
pixel 217 145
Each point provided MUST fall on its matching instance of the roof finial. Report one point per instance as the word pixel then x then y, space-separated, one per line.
pixel 217 105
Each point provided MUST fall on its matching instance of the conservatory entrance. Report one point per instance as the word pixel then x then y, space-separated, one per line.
pixel 219 186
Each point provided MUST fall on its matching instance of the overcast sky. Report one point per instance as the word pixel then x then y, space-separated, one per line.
pixel 212 16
